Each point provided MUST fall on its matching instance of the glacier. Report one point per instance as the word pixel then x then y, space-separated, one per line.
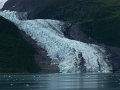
pixel 69 55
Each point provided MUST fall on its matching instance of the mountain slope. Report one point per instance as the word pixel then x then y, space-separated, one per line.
pixel 89 21
pixel 26 5
pixel 95 16
pixel 99 19
pixel 16 55
pixel 105 31
pixel 70 55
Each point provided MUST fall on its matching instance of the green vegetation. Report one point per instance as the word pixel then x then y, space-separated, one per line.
pixel 16 55
pixel 99 18
pixel 105 31
pixel 80 10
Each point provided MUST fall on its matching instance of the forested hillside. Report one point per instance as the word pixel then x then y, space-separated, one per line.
pixel 16 55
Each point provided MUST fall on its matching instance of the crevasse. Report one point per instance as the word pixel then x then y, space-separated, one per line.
pixel 70 55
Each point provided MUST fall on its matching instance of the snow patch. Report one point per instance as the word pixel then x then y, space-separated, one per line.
pixel 2 2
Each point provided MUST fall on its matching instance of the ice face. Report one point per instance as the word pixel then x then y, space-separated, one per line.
pixel 70 55
pixel 2 2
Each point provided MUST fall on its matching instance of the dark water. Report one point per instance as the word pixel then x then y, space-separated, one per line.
pixel 89 81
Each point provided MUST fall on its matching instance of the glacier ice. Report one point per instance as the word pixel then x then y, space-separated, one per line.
pixel 70 55
pixel 2 2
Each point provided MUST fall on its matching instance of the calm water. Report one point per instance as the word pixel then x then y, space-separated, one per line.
pixel 60 82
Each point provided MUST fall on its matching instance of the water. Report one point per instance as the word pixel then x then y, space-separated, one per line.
pixel 90 81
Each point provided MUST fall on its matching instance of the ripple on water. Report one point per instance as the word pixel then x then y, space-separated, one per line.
pixel 94 81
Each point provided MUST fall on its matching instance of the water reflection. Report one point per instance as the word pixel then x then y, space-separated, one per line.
pixel 94 81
